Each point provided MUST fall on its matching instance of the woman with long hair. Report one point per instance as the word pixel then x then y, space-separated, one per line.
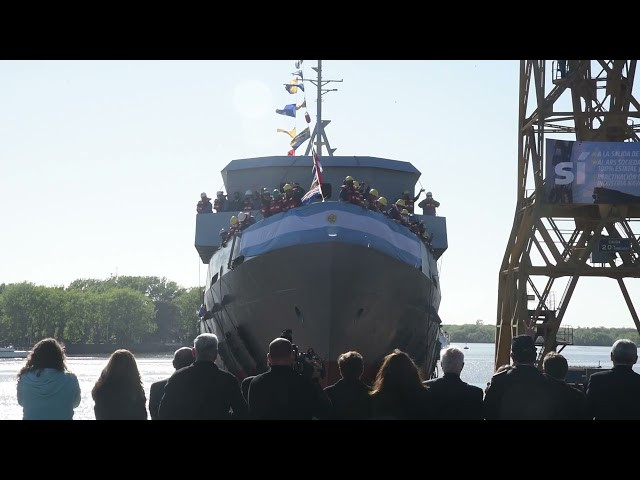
pixel 118 394
pixel 46 389
pixel 398 392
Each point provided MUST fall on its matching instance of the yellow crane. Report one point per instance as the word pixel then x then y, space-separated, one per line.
pixel 555 235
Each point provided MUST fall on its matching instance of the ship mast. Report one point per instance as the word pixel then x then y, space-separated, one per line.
pixel 319 136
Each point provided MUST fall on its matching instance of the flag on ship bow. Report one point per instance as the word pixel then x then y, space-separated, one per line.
pixel 315 190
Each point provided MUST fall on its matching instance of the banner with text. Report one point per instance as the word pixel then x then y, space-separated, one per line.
pixel 592 172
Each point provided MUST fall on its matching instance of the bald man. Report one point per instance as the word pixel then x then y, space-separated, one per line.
pixel 281 393
pixel 183 357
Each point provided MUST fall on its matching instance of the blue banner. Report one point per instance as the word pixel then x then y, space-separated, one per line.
pixel 592 172
pixel 332 222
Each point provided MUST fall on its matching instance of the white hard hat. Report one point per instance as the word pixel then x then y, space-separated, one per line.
pixel 242 216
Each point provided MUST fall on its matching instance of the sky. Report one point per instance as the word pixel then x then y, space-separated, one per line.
pixel 102 163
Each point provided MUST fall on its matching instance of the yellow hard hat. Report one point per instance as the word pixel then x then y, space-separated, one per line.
pixel 348 178
pixel 356 184
pixel 382 201
pixel 405 211
pixel 233 220
pixel 373 192
pixel 287 187
pixel 401 202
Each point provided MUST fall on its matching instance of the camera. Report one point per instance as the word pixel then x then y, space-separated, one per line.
pixel 307 364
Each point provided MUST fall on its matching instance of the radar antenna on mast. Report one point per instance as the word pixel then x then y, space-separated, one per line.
pixel 319 136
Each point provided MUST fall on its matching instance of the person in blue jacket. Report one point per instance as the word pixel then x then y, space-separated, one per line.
pixel 46 389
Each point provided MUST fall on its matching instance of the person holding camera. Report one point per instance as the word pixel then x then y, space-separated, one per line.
pixel 282 394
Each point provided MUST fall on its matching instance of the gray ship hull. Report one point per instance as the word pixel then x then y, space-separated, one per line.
pixel 335 297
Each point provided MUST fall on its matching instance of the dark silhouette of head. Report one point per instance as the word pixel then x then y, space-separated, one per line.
pixel 47 353
pixel 523 350
pixel 351 365
pixel 624 352
pixel 280 352
pixel 121 373
pixel 183 357
pixel 397 375
pixel 555 365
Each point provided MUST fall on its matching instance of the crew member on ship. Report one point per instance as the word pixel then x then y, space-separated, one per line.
pixel 248 201
pixel 356 196
pixel 236 203
pixel 298 192
pixel 395 211
pixel 257 198
pixel 265 208
pixel 346 190
pixel 363 190
pixel 408 201
pixel 290 200
pixel 276 204
pixel 382 206
pixel 245 220
pixel 372 200
pixel 404 218
pixel 233 222
pixel 429 205
pixel 219 202
pixel 204 205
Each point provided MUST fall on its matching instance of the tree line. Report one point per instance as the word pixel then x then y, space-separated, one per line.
pixel 119 310
pixel 594 336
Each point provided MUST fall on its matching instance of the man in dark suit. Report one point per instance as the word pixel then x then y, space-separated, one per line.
pixel 452 398
pixel 570 403
pixel 615 394
pixel 520 392
pixel 183 357
pixel 349 396
pixel 202 391
pixel 283 394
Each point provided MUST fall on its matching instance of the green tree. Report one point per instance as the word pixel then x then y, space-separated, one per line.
pixel 167 322
pixel 82 312
pixel 126 315
pixel 92 285
pixel 19 310
pixel 472 333
pixel 188 303
pixel 154 287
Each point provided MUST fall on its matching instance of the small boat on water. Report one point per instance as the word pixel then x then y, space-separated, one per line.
pixel 10 352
